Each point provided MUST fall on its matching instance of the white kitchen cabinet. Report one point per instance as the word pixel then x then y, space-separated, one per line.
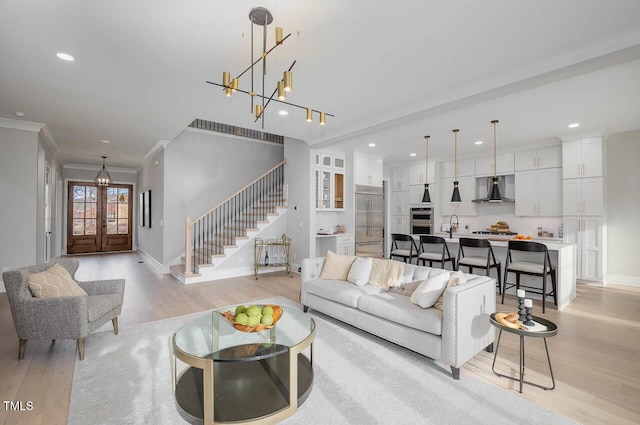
pixel 329 178
pixel 416 192
pixel 539 192
pixel 582 158
pixel 417 173
pixel 587 233
pixel 345 244
pixel 400 224
pixel 368 171
pixel 583 196
pixel 487 167
pixel 466 168
pixel 541 158
pixel 400 203
pixel 400 179
pixel 467 188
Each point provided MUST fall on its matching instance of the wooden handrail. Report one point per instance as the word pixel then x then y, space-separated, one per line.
pixel 240 190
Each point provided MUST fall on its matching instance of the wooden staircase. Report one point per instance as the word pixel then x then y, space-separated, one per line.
pixel 217 235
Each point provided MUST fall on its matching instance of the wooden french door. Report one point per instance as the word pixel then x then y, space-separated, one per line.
pixel 99 219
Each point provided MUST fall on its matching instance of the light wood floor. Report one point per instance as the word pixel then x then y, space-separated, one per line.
pixel 595 356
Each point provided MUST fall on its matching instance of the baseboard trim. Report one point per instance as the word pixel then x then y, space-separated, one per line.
pixel 623 279
pixel 230 273
pixel 158 266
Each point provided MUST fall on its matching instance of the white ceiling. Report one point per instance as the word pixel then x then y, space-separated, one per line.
pixel 391 72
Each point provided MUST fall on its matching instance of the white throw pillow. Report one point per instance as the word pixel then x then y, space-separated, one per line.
pixel 457 278
pixel 360 271
pixel 336 266
pixel 429 290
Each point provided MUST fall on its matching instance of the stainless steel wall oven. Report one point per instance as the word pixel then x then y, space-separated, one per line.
pixel 421 221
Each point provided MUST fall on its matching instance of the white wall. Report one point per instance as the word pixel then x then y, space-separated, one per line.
pixel 201 169
pixel 151 177
pixel 623 207
pixel 297 175
pixel 18 191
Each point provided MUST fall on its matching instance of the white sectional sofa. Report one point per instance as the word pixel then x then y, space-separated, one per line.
pixel 453 335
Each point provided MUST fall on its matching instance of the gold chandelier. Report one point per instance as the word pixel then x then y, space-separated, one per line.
pixel 262 17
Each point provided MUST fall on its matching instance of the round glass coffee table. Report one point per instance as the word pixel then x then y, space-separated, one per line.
pixel 242 377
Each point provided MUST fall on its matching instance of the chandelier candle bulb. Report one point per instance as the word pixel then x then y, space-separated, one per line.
pixel 322 118
pixel 226 79
pixel 234 84
pixel 258 110
pixel 278 35
pixel 309 115
pixel 228 92
pixel 281 93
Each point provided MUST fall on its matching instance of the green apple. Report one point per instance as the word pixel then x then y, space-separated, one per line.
pixel 267 310
pixel 253 320
pixel 254 310
pixel 267 319
pixel 240 309
pixel 242 318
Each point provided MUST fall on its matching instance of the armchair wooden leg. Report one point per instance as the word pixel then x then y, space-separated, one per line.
pixel 81 348
pixel 22 344
pixel 115 325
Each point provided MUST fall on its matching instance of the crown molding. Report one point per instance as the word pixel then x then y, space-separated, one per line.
pixel 160 145
pixel 96 168
pixel 585 134
pixel 34 127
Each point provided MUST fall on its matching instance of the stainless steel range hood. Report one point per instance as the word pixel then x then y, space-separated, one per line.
pixel 484 185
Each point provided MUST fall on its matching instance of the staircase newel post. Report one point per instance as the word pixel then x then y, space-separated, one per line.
pixel 188 254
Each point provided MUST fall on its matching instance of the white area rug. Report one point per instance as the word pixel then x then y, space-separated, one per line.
pixel 359 379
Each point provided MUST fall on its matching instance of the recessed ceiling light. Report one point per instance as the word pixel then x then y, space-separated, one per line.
pixel 19 114
pixel 574 125
pixel 371 145
pixel 412 154
pixel 479 142
pixel 283 112
pixel 65 57
pixel 105 141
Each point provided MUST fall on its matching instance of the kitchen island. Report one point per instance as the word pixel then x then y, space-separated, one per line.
pixel 563 257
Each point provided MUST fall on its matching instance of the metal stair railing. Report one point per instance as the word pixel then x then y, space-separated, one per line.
pixel 208 234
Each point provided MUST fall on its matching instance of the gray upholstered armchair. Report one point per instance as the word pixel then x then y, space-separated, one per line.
pixel 63 317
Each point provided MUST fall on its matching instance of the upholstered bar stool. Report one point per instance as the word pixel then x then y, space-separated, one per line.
pixel 485 262
pixel 541 268
pixel 407 249
pixel 440 254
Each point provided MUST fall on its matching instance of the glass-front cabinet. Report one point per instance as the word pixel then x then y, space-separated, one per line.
pixel 329 176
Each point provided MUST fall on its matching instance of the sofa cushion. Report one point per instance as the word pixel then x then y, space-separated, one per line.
pixel 386 273
pixel 398 309
pixel 336 266
pixel 99 305
pixel 430 290
pixel 360 271
pixel 457 278
pixel 340 291
pixel 54 282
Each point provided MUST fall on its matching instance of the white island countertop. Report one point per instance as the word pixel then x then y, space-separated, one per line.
pixel 563 256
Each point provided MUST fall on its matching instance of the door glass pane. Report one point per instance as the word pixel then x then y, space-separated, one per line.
pixel 92 194
pixel 90 210
pixel 78 210
pixel 123 195
pixel 78 193
pixel 111 211
pixel 90 227
pixel 112 226
pixel 123 210
pixel 112 194
pixel 78 227
pixel 123 226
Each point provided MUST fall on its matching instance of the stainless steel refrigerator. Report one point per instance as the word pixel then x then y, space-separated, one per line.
pixel 369 221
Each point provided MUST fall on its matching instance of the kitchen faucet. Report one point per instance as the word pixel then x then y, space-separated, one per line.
pixel 451 224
